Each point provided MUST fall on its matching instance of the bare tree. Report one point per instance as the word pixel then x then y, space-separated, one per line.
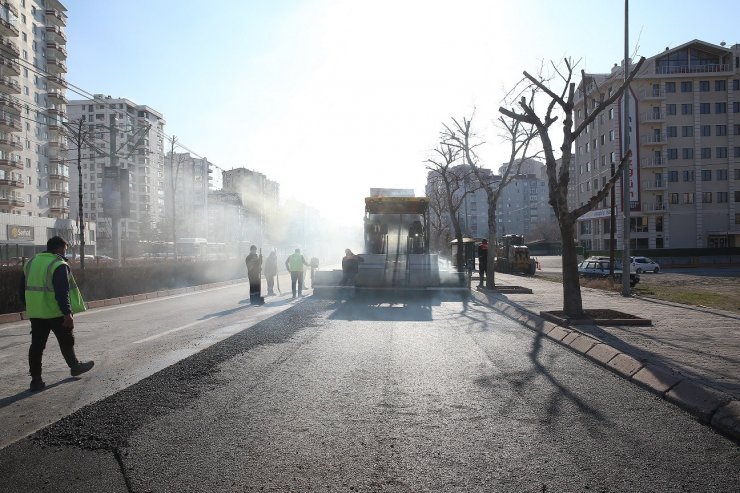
pixel 558 179
pixel 455 184
pixel 519 136
pixel 546 230
pixel 439 224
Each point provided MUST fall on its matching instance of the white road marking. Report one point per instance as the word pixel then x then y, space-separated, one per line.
pixel 176 329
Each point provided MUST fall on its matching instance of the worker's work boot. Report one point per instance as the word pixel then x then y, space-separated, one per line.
pixel 82 367
pixel 37 384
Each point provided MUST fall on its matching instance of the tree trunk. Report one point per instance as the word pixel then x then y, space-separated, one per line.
pixel 572 303
pixel 491 265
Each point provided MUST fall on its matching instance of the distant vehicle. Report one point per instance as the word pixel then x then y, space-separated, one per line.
pixel 644 264
pixel 599 269
pixel 103 258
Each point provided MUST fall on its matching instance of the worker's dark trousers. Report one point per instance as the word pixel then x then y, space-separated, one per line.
pixel 483 268
pixel 40 328
pixel 296 277
pixel 254 291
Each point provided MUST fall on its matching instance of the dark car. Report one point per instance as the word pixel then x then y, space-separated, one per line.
pixel 594 268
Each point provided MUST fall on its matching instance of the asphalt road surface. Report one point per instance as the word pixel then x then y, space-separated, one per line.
pixel 419 395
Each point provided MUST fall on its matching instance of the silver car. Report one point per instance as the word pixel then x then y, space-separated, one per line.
pixel 644 264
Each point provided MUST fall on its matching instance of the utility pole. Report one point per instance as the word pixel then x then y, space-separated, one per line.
pixel 80 216
pixel 173 182
pixel 628 168
pixel 116 213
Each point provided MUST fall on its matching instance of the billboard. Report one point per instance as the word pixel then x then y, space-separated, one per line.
pixel 20 233
pixel 116 202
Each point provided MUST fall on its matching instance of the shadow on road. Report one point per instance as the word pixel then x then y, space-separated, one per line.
pixel 6 401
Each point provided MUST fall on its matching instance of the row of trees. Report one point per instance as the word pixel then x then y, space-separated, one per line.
pixel 525 122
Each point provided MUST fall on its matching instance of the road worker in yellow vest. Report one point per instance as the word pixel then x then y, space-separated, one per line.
pixel 295 265
pixel 52 297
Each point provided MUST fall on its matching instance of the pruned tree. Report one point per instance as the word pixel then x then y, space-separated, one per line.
pixel 563 102
pixel 456 184
pixel 519 136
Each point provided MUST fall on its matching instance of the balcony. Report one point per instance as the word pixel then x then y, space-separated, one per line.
pixel 11 201
pixel 654 93
pixel 10 48
pixel 11 183
pixel 57 50
pixel 57 97
pixel 9 144
pixel 656 207
pixel 55 17
pixel 709 68
pixel 9 68
pixel 8 29
pixel 9 86
pixel 55 66
pixel 55 82
pixel 59 193
pixel 652 117
pixel 11 163
pixel 654 185
pixel 55 4
pixel 58 209
pixel 56 114
pixel 55 35
pixel 9 104
pixel 58 146
pixel 652 162
pixel 9 124
pixel 654 140
pixel 57 175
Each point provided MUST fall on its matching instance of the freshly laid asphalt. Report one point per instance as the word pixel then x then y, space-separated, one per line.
pixel 416 396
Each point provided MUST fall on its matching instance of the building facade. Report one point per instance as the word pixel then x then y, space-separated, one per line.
pixel 34 177
pixel 187 180
pixel 684 134
pixel 126 136
pixel 260 198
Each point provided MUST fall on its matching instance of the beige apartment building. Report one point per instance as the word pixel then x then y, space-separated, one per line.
pixel 34 177
pixel 684 133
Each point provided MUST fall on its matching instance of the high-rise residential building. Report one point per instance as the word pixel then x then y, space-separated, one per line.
pixel 129 137
pixel 260 198
pixel 523 207
pixel 684 134
pixel 34 177
pixel 187 179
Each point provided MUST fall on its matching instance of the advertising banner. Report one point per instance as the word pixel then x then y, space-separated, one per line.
pixel 20 233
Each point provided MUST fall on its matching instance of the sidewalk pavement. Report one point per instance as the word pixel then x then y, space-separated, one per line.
pixel 689 356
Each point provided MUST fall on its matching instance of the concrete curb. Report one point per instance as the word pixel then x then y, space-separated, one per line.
pixel 710 406
pixel 122 300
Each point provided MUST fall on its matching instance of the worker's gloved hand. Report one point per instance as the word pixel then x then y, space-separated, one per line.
pixel 68 322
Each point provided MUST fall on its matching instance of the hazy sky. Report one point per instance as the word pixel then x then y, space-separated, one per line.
pixel 329 97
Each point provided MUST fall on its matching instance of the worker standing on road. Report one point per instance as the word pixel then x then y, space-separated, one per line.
pixel 271 272
pixel 482 260
pixel 51 296
pixel 254 273
pixel 350 268
pixel 295 264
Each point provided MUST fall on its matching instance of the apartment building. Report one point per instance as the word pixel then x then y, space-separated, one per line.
pixel 684 134
pixel 187 180
pixel 523 205
pixel 260 198
pixel 126 136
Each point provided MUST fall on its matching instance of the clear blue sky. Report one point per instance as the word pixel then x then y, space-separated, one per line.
pixel 331 97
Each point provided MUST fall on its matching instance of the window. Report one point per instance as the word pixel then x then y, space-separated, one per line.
pixel 720 85
pixel 687 109
pixel 737 199
pixel 706 175
pixel 704 86
pixel 673 176
pixel 672 131
pixel 670 87
pixel 611 157
pixel 659 224
pixel 737 173
pixel 706 197
pixel 611 113
pixel 611 135
pixel 672 154
pixel 704 108
pixel 721 152
pixel 603 139
pixel 670 109
pixel 687 153
pixel 687 86
pixel 638 225
pixel 688 175
pixel 736 107
pixel 674 198
pixel 706 153
pixel 687 131
pixel 721 130
pixel 736 84
pixel 706 130
pixel 737 152
pixel 720 108
pixel 688 198
pixel 721 197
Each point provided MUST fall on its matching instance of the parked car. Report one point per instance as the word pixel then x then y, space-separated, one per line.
pixel 599 269
pixel 644 264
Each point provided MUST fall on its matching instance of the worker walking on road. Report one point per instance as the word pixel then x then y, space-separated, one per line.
pixel 295 264
pixel 51 296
